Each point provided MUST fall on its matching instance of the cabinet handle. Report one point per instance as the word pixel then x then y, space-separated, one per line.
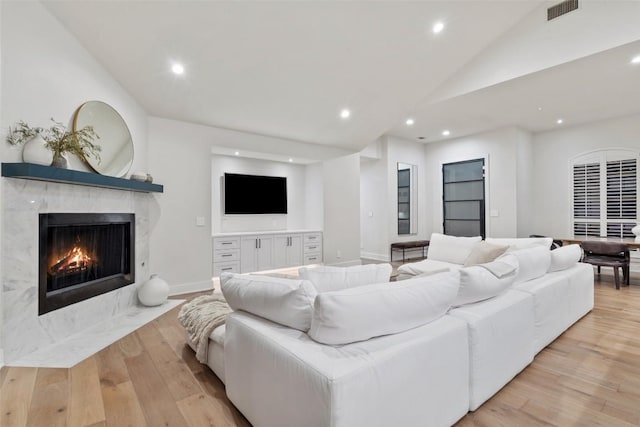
pixel 289 241
pixel 259 243
pixel 311 247
pixel 226 269
pixel 256 243
pixel 312 259
pixel 226 243
pixel 226 255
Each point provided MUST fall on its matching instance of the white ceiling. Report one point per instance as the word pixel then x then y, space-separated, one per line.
pixel 286 69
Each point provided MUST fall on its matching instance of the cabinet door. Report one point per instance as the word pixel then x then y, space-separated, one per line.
pixel 294 251
pixel 265 253
pixel 248 254
pixel 280 246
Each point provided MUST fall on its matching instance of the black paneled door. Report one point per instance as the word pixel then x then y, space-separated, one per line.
pixel 463 198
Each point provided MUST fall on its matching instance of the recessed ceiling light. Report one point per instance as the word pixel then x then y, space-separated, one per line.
pixel 177 68
pixel 446 133
pixel 559 121
pixel 539 108
pixel 237 153
pixel 290 160
pixel 345 113
pixel 438 27
pixel 410 122
pixel 636 60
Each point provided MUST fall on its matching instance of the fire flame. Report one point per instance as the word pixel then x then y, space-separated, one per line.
pixel 75 260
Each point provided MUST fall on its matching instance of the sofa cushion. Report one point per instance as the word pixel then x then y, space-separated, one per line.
pixel 357 314
pixel 425 267
pixel 522 242
pixel 285 301
pixel 450 248
pixel 565 257
pixel 532 262
pixel 483 252
pixel 336 278
pixel 484 281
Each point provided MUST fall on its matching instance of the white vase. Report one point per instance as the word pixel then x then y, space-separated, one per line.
pixel 35 151
pixel 153 292
pixel 636 230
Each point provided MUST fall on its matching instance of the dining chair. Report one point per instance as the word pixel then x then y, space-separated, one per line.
pixel 608 254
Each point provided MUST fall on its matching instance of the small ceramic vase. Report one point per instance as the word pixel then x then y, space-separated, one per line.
pixel 35 151
pixel 153 292
pixel 59 161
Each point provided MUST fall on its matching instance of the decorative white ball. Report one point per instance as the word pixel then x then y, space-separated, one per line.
pixel 153 292
pixel 636 230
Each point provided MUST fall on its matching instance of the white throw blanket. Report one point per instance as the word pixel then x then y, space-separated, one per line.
pixel 200 317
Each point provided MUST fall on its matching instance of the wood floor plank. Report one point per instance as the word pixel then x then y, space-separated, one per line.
pixel 50 398
pixel 85 403
pixel 201 410
pixel 157 404
pixel 121 406
pixel 15 396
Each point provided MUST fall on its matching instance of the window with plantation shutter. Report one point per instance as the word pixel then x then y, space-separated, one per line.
pixel 605 194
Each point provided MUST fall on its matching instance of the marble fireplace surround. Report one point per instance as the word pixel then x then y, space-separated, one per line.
pixel 23 331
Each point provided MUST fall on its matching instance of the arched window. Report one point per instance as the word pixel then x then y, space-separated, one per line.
pixel 605 190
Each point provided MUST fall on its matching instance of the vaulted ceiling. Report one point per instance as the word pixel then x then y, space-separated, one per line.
pixel 287 69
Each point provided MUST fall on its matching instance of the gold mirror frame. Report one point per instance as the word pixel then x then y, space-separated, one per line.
pixel 116 155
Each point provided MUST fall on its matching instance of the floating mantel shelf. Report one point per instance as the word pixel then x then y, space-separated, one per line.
pixel 48 173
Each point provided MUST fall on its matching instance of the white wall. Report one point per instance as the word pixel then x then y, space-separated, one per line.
pixel 314 201
pixel 180 158
pixel 499 149
pixel 45 72
pixel 295 219
pixel 552 154
pixel 379 195
pixel 524 183
pixel 341 187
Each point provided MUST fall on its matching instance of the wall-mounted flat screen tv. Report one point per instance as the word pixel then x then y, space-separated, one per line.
pixel 254 194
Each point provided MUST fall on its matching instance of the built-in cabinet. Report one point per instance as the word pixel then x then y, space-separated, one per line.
pixel 246 253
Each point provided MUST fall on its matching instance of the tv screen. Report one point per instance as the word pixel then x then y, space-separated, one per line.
pixel 253 194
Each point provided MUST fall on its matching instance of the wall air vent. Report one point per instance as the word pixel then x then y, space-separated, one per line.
pixel 561 8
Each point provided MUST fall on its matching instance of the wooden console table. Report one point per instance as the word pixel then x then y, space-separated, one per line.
pixel 403 246
pixel 631 243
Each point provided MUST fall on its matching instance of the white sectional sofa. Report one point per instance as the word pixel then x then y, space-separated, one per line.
pixel 356 350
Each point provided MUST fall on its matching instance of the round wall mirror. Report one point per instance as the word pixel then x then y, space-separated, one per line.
pixel 116 155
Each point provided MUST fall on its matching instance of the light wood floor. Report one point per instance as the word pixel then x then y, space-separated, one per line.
pixel 590 376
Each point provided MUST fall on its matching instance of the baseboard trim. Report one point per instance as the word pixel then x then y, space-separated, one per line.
pixel 187 288
pixel 374 256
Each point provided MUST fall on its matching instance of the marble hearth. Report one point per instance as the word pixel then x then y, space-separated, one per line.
pixel 23 331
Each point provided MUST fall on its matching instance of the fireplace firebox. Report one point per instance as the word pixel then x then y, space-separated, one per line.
pixel 83 255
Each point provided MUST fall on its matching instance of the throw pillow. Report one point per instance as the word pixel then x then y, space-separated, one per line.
pixel 484 281
pixel 358 314
pixel 565 257
pixel 532 262
pixel 484 252
pixel 285 301
pixel 521 242
pixel 450 248
pixel 336 278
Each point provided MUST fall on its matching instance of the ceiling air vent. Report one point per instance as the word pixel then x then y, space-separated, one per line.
pixel 561 8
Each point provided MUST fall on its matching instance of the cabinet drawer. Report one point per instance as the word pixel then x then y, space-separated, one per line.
pixel 225 267
pixel 228 255
pixel 312 248
pixel 226 243
pixel 313 238
pixel 312 259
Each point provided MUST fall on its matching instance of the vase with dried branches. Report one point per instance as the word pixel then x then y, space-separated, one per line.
pixel 59 140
